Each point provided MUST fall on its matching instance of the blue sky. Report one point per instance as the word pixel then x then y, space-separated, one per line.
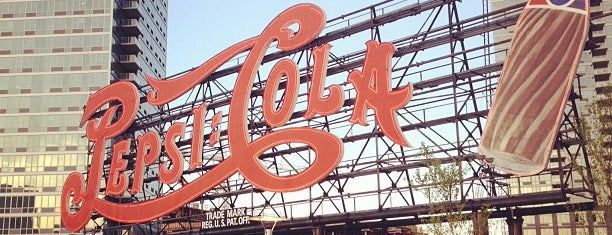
pixel 199 29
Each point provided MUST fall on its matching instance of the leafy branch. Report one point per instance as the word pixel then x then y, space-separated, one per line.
pixel 441 187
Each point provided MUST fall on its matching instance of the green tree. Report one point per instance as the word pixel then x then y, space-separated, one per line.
pixel 441 185
pixel 597 133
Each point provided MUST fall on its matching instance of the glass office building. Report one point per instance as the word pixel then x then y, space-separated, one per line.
pixel 53 54
pixel 594 73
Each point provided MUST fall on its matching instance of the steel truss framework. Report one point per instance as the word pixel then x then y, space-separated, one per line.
pixel 450 62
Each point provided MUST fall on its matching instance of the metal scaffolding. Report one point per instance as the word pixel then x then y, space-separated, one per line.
pixel 450 60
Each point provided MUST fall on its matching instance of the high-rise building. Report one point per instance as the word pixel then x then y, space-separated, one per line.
pixel 53 54
pixel 594 75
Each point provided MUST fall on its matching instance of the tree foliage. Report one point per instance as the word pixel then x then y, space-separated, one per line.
pixel 597 133
pixel 441 185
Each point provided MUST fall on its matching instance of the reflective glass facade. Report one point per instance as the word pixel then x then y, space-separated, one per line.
pixel 594 73
pixel 53 54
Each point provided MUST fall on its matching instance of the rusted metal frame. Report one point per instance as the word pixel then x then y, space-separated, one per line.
pixel 343 17
pixel 282 196
pixel 392 16
pixel 361 153
pixel 254 116
pixel 340 191
pixel 408 211
pixel 451 43
pixel 559 137
pixel 383 223
pixel 230 200
pixel 469 131
pixel 470 186
pixel 429 103
pixel 341 185
pixel 321 199
pixel 394 182
pixel 190 107
pixel 397 168
pixel 478 181
pixel 473 23
pixel 425 34
pixel 481 173
pixel 97 227
pixel 339 62
pixel 430 128
pixel 208 92
pixel 338 196
pixel 326 124
pixel 331 71
pixel 493 182
pixel 485 75
pixel 167 222
pixel 228 188
pixel 567 127
pixel 196 92
pixel 388 151
pixel 214 204
pixel 150 226
pixel 410 187
pixel 229 191
pixel 572 119
pixel 171 187
pixel 471 93
pixel 403 50
pixel 589 175
pixel 403 161
pixel 333 179
pixel 293 168
pixel 404 128
pixel 409 112
pixel 301 53
pixel 465 33
pixel 268 204
pixel 286 215
pixel 258 83
pixel 392 188
pixel 378 165
pixel 224 91
pixel 374 31
pixel 327 196
pixel 464 105
pixel 490 189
